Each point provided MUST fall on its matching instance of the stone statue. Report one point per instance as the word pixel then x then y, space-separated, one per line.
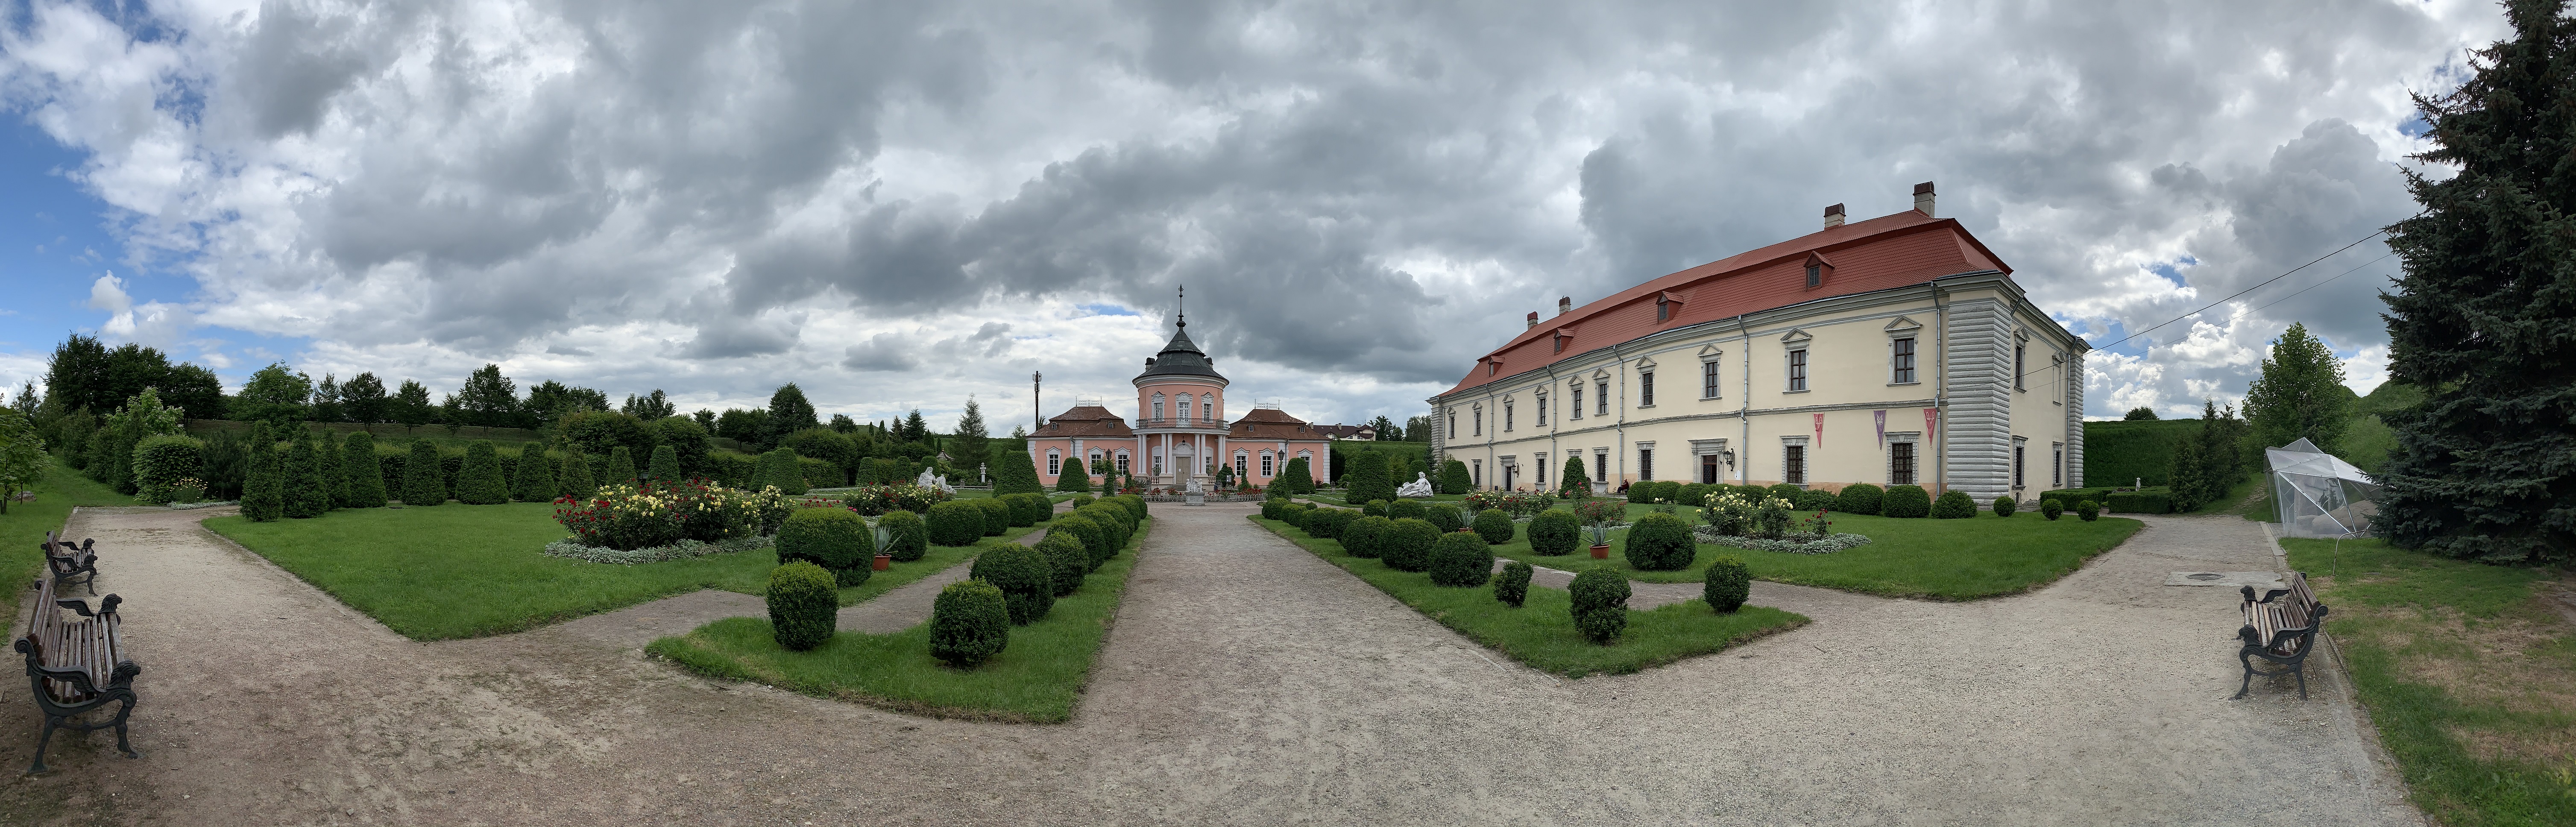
pixel 1419 487
pixel 1191 486
pixel 930 480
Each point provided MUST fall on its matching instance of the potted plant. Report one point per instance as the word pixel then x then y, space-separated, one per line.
pixel 1597 515
pixel 885 557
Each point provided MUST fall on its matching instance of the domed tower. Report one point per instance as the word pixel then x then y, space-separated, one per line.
pixel 1180 410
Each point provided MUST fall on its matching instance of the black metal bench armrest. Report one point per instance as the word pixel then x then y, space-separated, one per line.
pixel 106 605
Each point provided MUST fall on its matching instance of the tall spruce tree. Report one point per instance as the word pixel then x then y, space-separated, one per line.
pixel 973 442
pixel 366 473
pixel 263 487
pixel 2484 318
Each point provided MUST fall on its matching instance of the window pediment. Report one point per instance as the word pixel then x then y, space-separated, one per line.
pixel 1903 326
pixel 1796 337
pixel 1646 363
pixel 1710 352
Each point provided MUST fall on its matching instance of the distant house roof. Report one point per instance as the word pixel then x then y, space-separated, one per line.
pixel 1271 423
pixel 1347 431
pixel 1086 421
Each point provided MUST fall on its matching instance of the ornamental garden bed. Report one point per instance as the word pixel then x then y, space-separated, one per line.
pixel 1037 678
pixel 1541 632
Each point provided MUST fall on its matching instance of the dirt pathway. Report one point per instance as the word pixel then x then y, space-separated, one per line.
pixel 1245 682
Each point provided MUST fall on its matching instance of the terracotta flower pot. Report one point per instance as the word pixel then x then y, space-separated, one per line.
pixel 883 560
pixel 1601 552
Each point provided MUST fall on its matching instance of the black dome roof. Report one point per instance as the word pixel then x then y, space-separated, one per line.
pixel 1181 357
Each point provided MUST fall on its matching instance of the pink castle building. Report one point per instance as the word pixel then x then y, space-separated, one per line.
pixel 1180 429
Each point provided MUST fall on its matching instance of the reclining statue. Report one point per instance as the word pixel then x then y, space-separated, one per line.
pixel 1419 487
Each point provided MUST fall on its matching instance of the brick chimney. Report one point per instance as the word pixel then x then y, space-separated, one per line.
pixel 1834 216
pixel 1533 318
pixel 1923 199
pixel 1564 305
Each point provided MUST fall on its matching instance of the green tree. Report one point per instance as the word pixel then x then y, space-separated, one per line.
pixel 550 400
pixel 1573 483
pixel 363 399
pixel 1454 478
pixel 2300 394
pixel 274 394
pixel 2483 319
pixel 488 399
pixel 410 406
pixel 1368 479
pixel 687 440
pixel 621 467
pixel 649 408
pixel 480 482
pixel 1075 479
pixel 789 412
pixel 2140 413
pixel 335 479
pixel 264 485
pixel 665 465
pixel 366 472
pixel 305 495
pixel 424 481
pixel 22 455
pixel 1013 473
pixel 972 443
pixel 141 417
pixel 1296 478
pixel 915 429
pixel 577 482
pixel 535 482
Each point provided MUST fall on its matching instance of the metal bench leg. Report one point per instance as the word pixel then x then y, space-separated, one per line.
pixel 42 741
pixel 2247 658
pixel 2301 670
pixel 127 747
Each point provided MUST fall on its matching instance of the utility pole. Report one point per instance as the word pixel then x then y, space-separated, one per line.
pixel 1037 379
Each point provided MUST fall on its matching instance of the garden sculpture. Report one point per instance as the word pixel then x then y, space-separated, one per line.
pixel 1419 487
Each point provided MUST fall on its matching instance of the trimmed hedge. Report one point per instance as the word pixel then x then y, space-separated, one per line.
pixel 1443 517
pixel 2004 506
pixel 997 516
pixel 2143 501
pixel 804 606
pixel 1070 560
pixel 1405 509
pixel 1406 545
pixel 1859 498
pixel 577 481
pixel 1327 523
pixel 264 482
pixel 1461 558
pixel 1954 505
pixel 1364 536
pixel 1554 532
pixel 1512 585
pixel 1661 542
pixel 1095 540
pixel 2068 497
pixel 365 470
pixel 480 483
pixel 1906 501
pixel 1026 579
pixel 305 496
pixel 422 484
pixel 907 537
pixel 956 523
pixel 1694 495
pixel 1494 525
pixel 621 468
pixel 1600 604
pixel 1726 583
pixel 1815 500
pixel 1017 507
pixel 970 622
pixel 837 539
pixel 1373 508
pixel 1294 513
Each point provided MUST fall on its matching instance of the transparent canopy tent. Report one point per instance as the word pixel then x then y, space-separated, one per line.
pixel 2318 495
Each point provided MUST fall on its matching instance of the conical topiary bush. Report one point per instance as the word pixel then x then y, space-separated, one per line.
pixel 424 481
pixel 535 482
pixel 305 497
pixel 577 482
pixel 621 468
pixel 335 480
pixel 665 466
pixel 264 486
pixel 366 474
pixel 480 482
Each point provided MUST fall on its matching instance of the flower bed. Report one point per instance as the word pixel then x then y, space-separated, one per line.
pixel 629 518
pixel 876 500
pixel 1830 544
pixel 574 549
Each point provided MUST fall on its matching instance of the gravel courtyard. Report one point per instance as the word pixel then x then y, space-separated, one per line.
pixel 1245 682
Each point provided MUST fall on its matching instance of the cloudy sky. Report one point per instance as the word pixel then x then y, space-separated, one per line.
pixel 898 204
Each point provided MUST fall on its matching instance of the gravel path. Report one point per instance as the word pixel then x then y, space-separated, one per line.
pixel 1245 682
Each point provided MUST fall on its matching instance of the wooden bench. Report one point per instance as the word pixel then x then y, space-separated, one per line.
pixel 2280 631
pixel 69 562
pixel 76 664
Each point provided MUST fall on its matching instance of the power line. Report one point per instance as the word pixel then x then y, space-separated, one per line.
pixel 2257 286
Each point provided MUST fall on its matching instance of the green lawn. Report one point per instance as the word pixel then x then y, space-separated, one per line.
pixel 1541 632
pixel 24 527
pixel 1038 677
pixel 2469 672
pixel 456 570
pixel 1922 558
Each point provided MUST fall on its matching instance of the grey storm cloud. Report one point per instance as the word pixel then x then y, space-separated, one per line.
pixel 884 200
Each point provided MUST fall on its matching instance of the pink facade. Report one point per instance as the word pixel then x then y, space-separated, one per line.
pixel 1179 430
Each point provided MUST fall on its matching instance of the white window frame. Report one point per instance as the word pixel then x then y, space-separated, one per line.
pixel 1645 461
pixel 1710 387
pixel 1268 469
pixel 1207 407
pixel 1794 367
pixel 1158 406
pixel 1540 457
pixel 1601 390
pixel 1577 407
pixel 1805 460
pixel 1476 470
pixel 1911 373
pixel 1476 418
pixel 2021 347
pixel 1123 463
pixel 1645 389
pixel 1055 463
pixel 1507 416
pixel 1540 410
pixel 2018 446
pixel 1913 442
pixel 2056 465
pixel 1239 465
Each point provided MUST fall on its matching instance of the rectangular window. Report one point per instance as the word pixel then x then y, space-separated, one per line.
pixel 1708 379
pixel 1815 275
pixel 1793 468
pixel 1601 466
pixel 1207 410
pixel 1542 409
pixel 1900 463
pixel 1560 344
pixel 1577 407
pixel 1507 416
pixel 1663 310
pixel 2057 465
pixel 1477 470
pixel 1265 465
pixel 2017 465
pixel 1055 464
pixel 1453 424
pixel 1158 465
pixel 1707 469
pixel 1477 419
pixel 1901 360
pixel 1158 409
pixel 1601 397
pixel 1541 459
pixel 1238 466
pixel 2017 351
pixel 1122 464
pixel 1798 369
pixel 1646 388
pixel 1645 464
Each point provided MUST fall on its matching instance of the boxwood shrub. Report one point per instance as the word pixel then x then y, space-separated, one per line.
pixel 1494 525
pixel 1328 523
pixel 1373 508
pixel 837 539
pixel 2004 506
pixel 1026 579
pixel 1554 532
pixel 1406 545
pixel 1404 510
pixel 804 605
pixel 970 622
pixel 1954 505
pixel 1726 583
pixel 1114 525
pixel 1135 504
pixel 2051 508
pixel 1080 500
pixel 1512 585
pixel 997 516
pixel 1859 498
pixel 2088 510
pixel 1094 541
pixel 1600 604
pixel 366 471
pixel 1070 559
pixel 956 523
pixel 1784 491
pixel 1906 501
pixel 422 484
pixel 576 481
pixel 1018 506
pixel 534 481
pixel 907 539
pixel 1443 517
pixel 1661 542
pixel 1815 499
pixel 1461 558
pixel 2157 500
pixel 1363 536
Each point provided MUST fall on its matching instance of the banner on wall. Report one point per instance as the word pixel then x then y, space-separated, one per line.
pixel 1820 432
pixel 1881 416
pixel 1931 416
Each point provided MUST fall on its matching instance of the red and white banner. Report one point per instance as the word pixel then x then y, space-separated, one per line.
pixel 1931 416
pixel 1881 416
pixel 1820 432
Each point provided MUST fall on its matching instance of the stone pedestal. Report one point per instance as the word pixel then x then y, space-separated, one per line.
pixel 1194 498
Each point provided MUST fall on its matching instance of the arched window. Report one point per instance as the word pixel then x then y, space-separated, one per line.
pixel 1158 406
pixel 1207 406
pixel 1184 405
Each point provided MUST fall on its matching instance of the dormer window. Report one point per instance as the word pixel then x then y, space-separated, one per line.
pixel 1664 303
pixel 1819 270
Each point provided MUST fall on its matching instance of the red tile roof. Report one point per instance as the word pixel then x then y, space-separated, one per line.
pixel 1085 421
pixel 1271 423
pixel 1890 251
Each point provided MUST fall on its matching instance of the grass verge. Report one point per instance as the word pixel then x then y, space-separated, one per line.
pixel 26 523
pixel 1036 679
pixel 457 571
pixel 1541 631
pixel 2469 673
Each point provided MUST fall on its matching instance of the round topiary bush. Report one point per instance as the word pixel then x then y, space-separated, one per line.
pixel 1070 558
pixel 2051 508
pixel 1554 532
pixel 1494 525
pixel 1693 495
pixel 1404 510
pixel 1115 524
pixel 1512 585
pixel 160 462
pixel 1600 604
pixel 1954 505
pixel 1080 500
pixel 997 516
pixel 1815 500
pixel 1406 545
pixel 804 605
pixel 970 622
pixel 2004 506
pixel 907 539
pixel 1094 541
pixel 956 523
pixel 837 539
pixel 1270 508
pixel 1018 507
pixel 1661 542
pixel 1859 498
pixel 1727 583
pixel 1294 514
pixel 1364 536
pixel 1026 579
pixel 2088 510
pixel 1443 517
pixel 1373 508
pixel 1460 558
pixel 1906 501
pixel 1328 523
pixel 1135 505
